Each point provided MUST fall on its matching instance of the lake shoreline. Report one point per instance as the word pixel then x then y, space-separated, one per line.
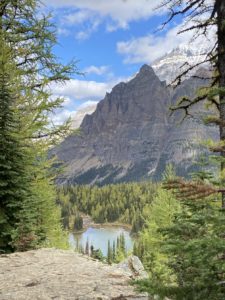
pixel 100 236
pixel 88 222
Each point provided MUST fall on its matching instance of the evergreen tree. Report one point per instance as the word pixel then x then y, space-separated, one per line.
pixel 13 178
pixel 92 250
pixel 117 242
pixel 122 243
pixel 87 248
pixel 109 254
pixel 114 252
pixel 30 39
pixel 195 247
pixel 149 245
pixel 135 249
pixel 78 222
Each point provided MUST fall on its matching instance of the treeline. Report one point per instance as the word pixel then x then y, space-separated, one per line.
pixel 127 203
pixel 29 217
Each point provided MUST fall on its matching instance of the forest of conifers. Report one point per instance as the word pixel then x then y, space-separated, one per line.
pixel 127 203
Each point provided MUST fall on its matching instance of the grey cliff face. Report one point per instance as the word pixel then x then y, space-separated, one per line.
pixel 131 135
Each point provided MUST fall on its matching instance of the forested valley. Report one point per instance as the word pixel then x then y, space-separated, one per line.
pixel 127 203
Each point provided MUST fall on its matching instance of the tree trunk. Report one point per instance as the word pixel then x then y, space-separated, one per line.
pixel 221 68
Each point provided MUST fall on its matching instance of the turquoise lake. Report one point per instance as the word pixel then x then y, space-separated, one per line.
pixel 99 237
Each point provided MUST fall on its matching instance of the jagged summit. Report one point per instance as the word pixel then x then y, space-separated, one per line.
pixel 166 67
pixel 146 68
pixel 146 72
pixel 131 137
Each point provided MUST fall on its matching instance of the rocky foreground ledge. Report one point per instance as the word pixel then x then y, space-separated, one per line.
pixel 57 274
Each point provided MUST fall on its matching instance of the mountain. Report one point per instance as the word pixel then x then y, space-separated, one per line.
pixel 131 136
pixel 83 110
pixel 169 66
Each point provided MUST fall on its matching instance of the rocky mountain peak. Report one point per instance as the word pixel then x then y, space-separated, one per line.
pixel 131 136
pixel 146 72
pixel 146 69
pixel 118 87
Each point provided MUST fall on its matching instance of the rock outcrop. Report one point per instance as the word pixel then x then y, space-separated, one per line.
pixel 56 274
pixel 131 136
pixel 133 266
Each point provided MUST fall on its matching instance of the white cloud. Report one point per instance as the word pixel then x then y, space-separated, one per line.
pixel 84 90
pixel 87 104
pixel 81 89
pixel 63 31
pixel 78 17
pixel 60 116
pixel 120 12
pixel 96 70
pixel 82 35
pixel 76 115
pixel 148 48
pixel 89 28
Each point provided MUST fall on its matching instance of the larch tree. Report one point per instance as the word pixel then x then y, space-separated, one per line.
pixel 14 182
pixel 30 38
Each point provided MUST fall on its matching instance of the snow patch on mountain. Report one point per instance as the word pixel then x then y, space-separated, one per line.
pixel 173 63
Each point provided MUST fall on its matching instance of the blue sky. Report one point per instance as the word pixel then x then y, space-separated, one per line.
pixel 111 39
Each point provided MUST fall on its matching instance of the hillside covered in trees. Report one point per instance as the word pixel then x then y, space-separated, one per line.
pixel 125 203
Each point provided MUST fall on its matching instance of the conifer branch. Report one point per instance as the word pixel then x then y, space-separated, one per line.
pixel 191 190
